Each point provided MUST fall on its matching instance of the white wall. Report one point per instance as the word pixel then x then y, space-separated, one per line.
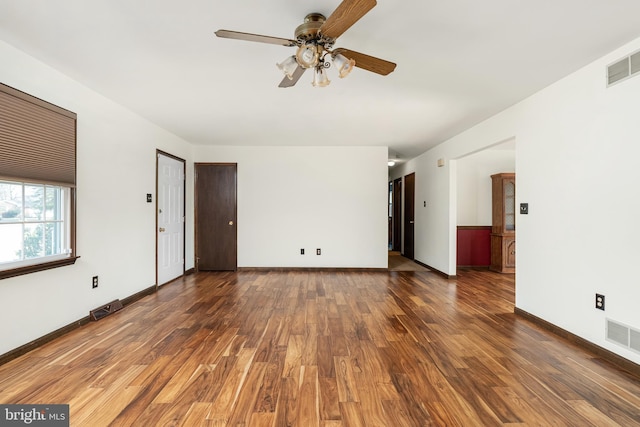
pixel 474 183
pixel 333 198
pixel 578 170
pixel 115 226
pixel 576 164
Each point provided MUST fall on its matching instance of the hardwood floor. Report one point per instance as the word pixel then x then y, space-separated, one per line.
pixel 323 349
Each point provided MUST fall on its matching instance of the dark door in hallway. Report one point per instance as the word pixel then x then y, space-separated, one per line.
pixel 409 219
pixel 215 216
pixel 397 214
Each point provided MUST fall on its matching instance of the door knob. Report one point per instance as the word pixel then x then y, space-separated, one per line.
pixel 161 229
pixel 230 222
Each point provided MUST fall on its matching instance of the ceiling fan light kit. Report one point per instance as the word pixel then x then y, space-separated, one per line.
pixel 308 55
pixel 314 40
pixel 343 64
pixel 288 66
pixel 320 78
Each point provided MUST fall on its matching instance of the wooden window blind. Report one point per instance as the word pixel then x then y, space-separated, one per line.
pixel 37 140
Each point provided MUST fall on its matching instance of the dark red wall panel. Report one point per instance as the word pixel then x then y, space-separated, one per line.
pixel 474 246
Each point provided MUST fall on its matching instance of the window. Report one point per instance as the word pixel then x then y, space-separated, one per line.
pixel 37 184
pixel 34 223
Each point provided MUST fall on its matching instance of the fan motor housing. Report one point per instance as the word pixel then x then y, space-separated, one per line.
pixel 309 29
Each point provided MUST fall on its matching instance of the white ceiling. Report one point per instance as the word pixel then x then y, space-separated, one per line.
pixel 459 62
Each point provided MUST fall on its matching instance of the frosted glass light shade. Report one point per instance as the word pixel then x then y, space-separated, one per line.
pixel 320 78
pixel 288 66
pixel 307 55
pixel 343 64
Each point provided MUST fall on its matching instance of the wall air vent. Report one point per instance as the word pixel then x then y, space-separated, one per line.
pixel 623 68
pixel 635 63
pixel 623 335
pixel 634 342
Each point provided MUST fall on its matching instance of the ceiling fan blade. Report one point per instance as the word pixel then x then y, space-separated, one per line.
pixel 227 34
pixel 287 82
pixel 369 63
pixel 346 14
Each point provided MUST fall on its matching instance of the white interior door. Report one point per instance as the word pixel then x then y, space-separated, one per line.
pixel 170 232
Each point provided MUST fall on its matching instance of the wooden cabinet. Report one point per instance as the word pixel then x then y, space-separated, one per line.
pixel 503 227
pixel 503 254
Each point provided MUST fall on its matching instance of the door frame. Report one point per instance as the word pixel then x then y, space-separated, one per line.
pixel 397 215
pixel 408 247
pixel 184 223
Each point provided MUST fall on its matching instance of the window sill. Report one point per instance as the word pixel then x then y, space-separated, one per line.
pixel 38 267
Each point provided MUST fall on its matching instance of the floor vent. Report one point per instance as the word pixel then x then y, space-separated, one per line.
pixel 623 68
pixel 623 335
pixel 105 310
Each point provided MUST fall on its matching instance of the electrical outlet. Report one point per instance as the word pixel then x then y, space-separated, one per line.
pixel 301 251
pixel 318 251
pixel 600 302
pixel 94 282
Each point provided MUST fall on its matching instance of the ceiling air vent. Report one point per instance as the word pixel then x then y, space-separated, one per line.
pixel 624 68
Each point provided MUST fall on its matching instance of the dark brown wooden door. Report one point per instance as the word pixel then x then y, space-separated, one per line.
pixel 215 216
pixel 409 209
pixel 397 214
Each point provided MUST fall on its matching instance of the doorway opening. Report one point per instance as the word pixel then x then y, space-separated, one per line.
pixel 398 260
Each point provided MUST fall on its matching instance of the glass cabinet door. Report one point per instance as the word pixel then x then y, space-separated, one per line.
pixel 509 205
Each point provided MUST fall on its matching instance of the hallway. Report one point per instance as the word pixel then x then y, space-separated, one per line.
pixel 399 263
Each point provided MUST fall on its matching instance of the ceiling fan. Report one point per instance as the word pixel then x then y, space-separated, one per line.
pixel 314 40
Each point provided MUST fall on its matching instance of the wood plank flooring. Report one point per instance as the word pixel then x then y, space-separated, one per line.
pixel 323 349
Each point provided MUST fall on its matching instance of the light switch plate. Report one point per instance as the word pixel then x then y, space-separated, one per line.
pixel 524 208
